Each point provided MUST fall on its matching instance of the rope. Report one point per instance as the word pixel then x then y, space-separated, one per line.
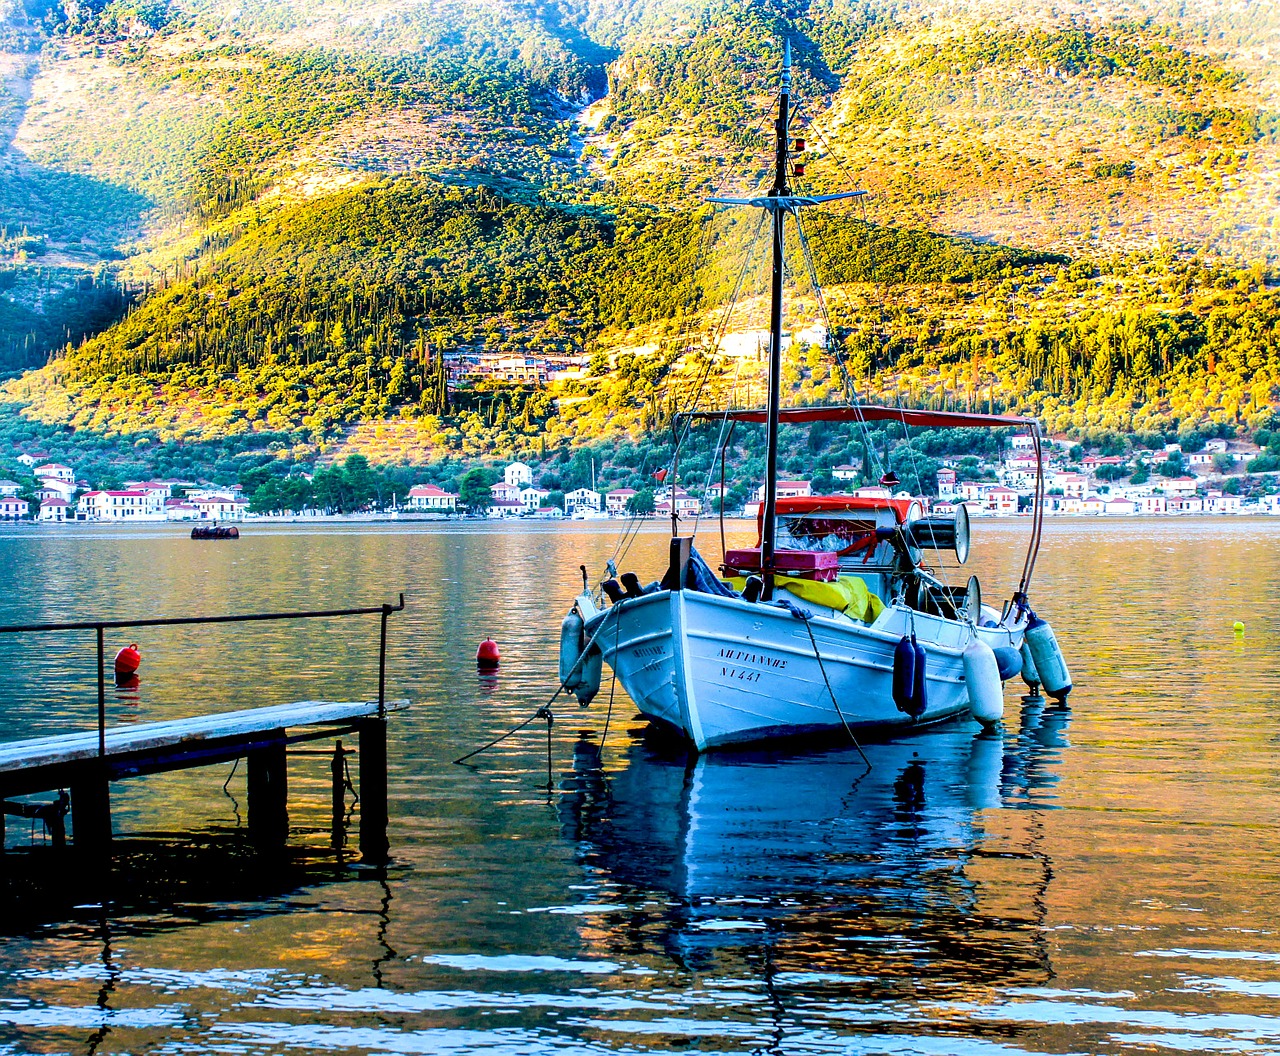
pixel 617 630
pixel 827 682
pixel 542 711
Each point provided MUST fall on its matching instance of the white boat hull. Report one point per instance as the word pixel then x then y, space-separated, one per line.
pixel 724 671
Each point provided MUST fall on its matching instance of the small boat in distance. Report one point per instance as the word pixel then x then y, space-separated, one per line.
pixel 833 621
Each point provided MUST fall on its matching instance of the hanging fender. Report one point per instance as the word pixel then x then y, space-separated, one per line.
pixel 1008 660
pixel 1047 655
pixel 982 679
pixel 571 631
pixel 904 674
pixel 919 689
pixel 591 670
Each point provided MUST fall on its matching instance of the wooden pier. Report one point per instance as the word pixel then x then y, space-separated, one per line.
pixel 86 762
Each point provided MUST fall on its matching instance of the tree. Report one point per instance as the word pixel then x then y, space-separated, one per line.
pixel 641 504
pixel 473 489
pixel 361 483
pixel 556 499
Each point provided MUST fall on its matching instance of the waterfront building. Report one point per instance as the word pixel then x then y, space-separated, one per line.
pixel 432 499
pixel 531 498
pixel 616 501
pixel 220 507
pixel 506 508
pixel 581 498
pixel 13 508
pixel 54 510
pixel 1003 501
pixel 121 505
pixel 504 492
pixel 1121 507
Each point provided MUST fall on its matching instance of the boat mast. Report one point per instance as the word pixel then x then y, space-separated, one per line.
pixel 779 190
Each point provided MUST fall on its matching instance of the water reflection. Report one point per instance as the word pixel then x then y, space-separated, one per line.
pixel 811 867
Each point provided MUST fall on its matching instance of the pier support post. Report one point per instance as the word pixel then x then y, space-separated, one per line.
pixel 268 788
pixel 337 770
pixel 91 811
pixel 374 847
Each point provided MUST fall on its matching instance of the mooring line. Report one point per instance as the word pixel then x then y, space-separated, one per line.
pixel 827 682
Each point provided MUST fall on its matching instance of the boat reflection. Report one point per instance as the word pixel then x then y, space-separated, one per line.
pixel 925 870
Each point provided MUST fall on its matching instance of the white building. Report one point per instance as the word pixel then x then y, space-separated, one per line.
pixel 504 492
pixel 1218 447
pixel 787 489
pixel 1181 486
pixel 847 472
pixel 431 498
pixel 30 460
pixel 1120 507
pixel 1002 501
pixel 55 469
pixel 1022 442
pixel 180 510
pixel 12 508
pixel 56 488
pixel 1155 504
pixel 686 504
pixel 56 510
pixel 118 506
pixel 1217 502
pixel 518 475
pixel 1072 485
pixel 532 498
pixel 506 508
pixel 581 498
pixel 616 500
pixel 9 488
pixel 220 507
pixel 946 483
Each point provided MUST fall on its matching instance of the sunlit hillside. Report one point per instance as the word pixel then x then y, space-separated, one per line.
pixel 263 228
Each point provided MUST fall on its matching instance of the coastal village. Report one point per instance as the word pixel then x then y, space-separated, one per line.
pixel 1146 482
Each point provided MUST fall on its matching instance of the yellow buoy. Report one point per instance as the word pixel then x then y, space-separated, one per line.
pixel 1238 627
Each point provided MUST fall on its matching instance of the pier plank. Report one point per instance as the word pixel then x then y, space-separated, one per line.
pixel 81 746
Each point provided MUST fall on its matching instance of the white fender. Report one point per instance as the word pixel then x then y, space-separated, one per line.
pixel 1029 673
pixel 1047 655
pixel 592 669
pixel 982 677
pixel 570 650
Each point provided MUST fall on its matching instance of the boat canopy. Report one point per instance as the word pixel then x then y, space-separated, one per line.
pixel 872 413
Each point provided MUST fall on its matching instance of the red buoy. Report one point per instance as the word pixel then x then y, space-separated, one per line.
pixel 127 661
pixel 487 654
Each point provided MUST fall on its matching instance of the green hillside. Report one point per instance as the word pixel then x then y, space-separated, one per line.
pixel 258 234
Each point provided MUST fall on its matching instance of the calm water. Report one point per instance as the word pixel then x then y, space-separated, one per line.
pixel 1100 879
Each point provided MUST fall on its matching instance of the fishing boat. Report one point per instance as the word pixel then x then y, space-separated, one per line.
pixel 833 622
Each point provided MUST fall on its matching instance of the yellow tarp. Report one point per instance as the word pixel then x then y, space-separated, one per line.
pixel 848 594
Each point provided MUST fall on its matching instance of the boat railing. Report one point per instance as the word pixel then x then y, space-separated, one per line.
pixel 100 627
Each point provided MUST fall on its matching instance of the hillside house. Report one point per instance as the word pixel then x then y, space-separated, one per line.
pixel 504 492
pixel 1181 486
pixel 55 469
pixel 518 475
pixel 846 472
pixel 9 488
pixel 946 483
pixel 55 488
